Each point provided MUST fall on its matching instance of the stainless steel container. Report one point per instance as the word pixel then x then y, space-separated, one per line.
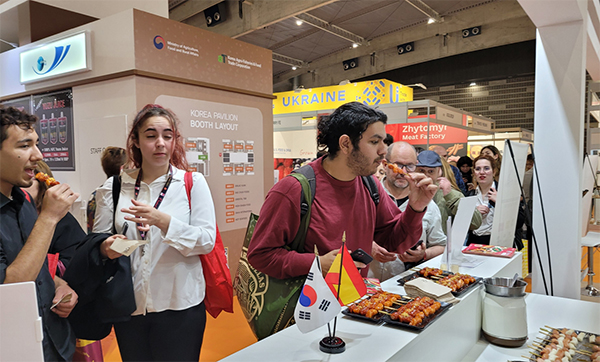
pixel 504 312
pixel 500 287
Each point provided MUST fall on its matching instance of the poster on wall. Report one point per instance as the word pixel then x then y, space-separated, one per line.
pixel 55 128
pixel 224 143
pixel 22 104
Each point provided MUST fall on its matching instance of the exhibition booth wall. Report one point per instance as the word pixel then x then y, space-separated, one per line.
pixel 220 88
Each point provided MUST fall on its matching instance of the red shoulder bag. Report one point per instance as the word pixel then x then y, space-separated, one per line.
pixel 219 290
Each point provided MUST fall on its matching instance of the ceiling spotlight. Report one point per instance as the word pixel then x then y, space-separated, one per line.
pixel 354 45
pixel 299 22
pixel 431 21
pixel 472 84
pixel 294 67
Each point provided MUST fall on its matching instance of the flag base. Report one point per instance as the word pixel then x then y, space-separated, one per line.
pixel 332 345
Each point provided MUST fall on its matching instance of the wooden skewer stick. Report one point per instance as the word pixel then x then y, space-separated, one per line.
pixel 537 345
pixel 384 312
pixel 587 353
pixel 535 354
pixel 534 348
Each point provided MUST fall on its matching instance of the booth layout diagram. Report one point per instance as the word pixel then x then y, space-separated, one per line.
pixel 197 150
pixel 238 157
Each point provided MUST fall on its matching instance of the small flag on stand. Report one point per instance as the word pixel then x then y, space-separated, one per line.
pixel 316 305
pixel 352 284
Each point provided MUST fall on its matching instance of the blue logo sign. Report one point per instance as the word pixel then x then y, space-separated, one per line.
pixel 59 56
pixel 159 42
pixel 40 63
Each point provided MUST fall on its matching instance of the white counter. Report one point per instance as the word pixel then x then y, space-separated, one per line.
pixel 542 310
pixel 455 333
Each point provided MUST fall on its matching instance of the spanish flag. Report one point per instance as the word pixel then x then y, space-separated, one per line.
pixel 352 284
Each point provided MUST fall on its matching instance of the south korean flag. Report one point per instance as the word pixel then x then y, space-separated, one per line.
pixel 317 304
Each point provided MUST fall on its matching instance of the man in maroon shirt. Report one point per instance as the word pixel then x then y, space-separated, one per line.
pixel 353 138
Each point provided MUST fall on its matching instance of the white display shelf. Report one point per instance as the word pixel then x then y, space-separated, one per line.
pixel 542 311
pixel 455 333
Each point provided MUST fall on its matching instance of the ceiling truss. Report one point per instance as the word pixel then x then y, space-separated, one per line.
pixel 330 28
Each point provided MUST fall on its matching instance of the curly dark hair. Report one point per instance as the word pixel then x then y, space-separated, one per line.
pixel 178 158
pixel 350 119
pixel 11 116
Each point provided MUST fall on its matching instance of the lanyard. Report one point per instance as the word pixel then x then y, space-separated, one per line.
pixel 160 198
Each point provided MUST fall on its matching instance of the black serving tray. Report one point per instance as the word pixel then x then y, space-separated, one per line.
pixel 457 293
pixel 378 319
pixel 427 321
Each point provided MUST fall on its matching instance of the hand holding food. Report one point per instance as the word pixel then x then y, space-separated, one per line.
pixel 43 177
pixel 57 202
pixel 422 190
pixel 398 170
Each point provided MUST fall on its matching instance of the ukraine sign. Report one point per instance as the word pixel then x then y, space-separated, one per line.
pixel 371 93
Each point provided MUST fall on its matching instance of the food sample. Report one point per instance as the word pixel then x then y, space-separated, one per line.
pixel 416 310
pixel 564 345
pixel 397 169
pixel 50 181
pixel 426 272
pixel 456 281
pixel 372 306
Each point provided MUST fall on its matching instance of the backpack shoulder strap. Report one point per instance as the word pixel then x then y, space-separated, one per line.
pixel 307 196
pixel 309 173
pixel 188 179
pixel 372 187
pixel 116 192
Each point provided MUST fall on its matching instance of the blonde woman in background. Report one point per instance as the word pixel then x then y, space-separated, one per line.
pixel 449 174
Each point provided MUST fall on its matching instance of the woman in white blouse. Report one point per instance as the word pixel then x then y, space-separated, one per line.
pixel 484 171
pixel 153 205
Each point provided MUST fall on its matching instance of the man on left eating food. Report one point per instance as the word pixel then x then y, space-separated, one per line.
pixel 25 237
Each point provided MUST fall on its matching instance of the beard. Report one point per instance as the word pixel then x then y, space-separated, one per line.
pixel 401 183
pixel 361 165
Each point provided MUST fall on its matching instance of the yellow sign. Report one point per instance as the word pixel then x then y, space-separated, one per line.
pixel 371 93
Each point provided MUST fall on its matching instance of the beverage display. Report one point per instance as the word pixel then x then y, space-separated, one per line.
pixel 62 128
pixel 53 129
pixel 44 130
